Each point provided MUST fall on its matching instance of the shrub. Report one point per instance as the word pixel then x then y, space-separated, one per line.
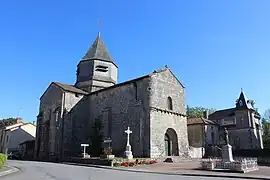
pixel 132 164
pixel 153 162
pixel 143 162
pixel 116 164
pixel 3 159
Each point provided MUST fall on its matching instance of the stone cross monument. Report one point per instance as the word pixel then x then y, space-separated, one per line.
pixel 128 152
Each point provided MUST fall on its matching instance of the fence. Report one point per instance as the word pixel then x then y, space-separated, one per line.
pixel 239 164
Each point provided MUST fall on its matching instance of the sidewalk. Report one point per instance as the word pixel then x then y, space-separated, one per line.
pixel 186 169
pixel 7 170
pixel 189 169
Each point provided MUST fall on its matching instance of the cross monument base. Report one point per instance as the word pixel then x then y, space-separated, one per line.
pixel 128 152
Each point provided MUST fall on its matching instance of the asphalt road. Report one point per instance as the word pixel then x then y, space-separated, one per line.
pixel 51 171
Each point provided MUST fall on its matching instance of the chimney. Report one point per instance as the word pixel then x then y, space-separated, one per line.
pixel 34 122
pixel 205 114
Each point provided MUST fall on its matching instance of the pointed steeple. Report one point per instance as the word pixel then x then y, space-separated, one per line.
pixel 243 102
pixel 96 70
pixel 98 51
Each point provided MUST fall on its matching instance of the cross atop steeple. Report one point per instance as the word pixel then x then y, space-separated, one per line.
pixel 99 27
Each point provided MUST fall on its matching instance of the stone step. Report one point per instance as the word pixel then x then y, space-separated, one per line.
pixel 176 159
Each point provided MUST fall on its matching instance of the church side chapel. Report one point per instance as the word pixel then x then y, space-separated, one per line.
pixel 98 109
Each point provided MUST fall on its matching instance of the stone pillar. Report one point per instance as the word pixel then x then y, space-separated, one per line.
pixel 227 153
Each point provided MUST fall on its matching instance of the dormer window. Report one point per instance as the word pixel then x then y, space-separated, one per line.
pixel 169 102
pixel 240 103
pixel 101 68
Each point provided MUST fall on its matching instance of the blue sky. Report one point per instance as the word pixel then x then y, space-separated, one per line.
pixel 215 48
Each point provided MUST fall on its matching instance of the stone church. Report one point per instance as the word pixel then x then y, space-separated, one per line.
pixel 153 106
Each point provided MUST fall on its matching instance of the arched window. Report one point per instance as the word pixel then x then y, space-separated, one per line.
pixel 170 105
pixel 57 114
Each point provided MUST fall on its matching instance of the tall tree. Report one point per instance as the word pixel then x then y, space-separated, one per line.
pixel 197 111
pixel 266 128
pixel 266 115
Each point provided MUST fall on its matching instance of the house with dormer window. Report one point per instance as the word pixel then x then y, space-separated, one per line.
pixel 242 123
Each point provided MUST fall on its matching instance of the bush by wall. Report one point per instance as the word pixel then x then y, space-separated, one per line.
pixel 3 159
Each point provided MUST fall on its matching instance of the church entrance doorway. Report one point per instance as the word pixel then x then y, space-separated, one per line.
pixel 171 143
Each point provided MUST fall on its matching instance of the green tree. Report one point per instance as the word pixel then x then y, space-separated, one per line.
pixel 8 121
pixel 266 128
pixel 96 138
pixel 252 102
pixel 197 111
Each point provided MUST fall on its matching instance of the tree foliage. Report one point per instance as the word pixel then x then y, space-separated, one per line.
pixel 96 138
pixel 197 111
pixel 266 128
pixel 7 122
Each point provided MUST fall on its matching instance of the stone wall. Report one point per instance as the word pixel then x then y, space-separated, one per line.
pixel 71 99
pixel 135 104
pixel 163 85
pixel 51 104
pixel 209 139
pixel 244 134
pixel 160 122
pixel 50 100
pixel 244 131
pixel 76 128
pixel 196 135
pixel 117 107
pixel 196 152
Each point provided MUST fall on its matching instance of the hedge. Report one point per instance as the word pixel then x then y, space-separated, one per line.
pixel 3 159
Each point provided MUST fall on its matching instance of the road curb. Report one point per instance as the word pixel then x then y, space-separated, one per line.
pixel 164 173
pixel 10 170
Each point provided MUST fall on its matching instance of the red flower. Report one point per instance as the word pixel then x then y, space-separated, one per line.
pixel 153 162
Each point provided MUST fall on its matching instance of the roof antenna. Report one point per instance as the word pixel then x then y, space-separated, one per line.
pixel 241 90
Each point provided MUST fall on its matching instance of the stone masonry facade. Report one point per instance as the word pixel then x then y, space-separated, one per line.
pixel 163 85
pixel 54 104
pixel 153 106
pixel 242 123
pixel 128 104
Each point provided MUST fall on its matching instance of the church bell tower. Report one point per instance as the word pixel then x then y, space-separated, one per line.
pixel 96 70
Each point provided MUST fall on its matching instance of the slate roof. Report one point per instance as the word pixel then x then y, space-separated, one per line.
pixel 98 51
pixel 244 99
pixel 70 88
pixel 166 68
pixel 217 115
pixel 220 114
pixel 193 121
